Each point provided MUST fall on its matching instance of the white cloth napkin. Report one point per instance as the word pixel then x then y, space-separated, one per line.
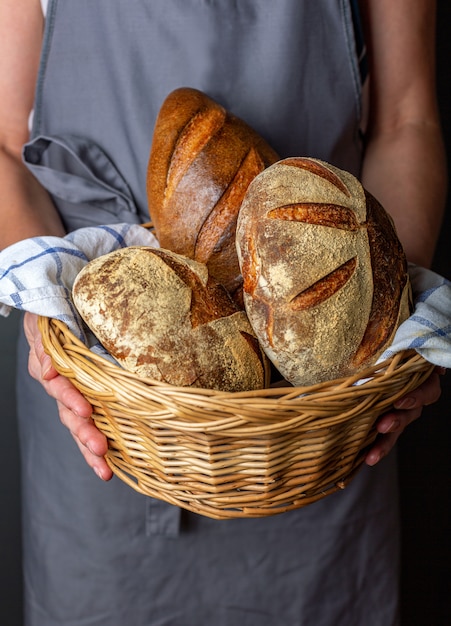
pixel 37 274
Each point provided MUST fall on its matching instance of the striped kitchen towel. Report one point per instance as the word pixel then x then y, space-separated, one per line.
pixel 37 275
pixel 428 329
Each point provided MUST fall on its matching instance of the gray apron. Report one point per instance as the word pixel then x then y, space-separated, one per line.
pixel 102 554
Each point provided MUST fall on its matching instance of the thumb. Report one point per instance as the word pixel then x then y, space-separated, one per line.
pixel 34 339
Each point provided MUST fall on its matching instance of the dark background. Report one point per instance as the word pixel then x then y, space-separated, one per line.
pixel 424 452
pixel 425 447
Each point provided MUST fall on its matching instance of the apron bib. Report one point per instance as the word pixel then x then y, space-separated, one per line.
pixel 288 68
pixel 102 554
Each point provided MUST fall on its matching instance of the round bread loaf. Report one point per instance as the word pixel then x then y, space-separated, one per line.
pixel 325 276
pixel 161 316
pixel 201 162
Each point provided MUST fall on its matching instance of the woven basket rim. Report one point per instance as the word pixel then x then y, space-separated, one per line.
pixel 367 377
pixel 252 412
pixel 232 454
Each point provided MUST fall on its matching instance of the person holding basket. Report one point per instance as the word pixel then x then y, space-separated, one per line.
pixel 351 83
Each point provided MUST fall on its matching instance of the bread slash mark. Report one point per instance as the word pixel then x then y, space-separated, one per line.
pixel 325 287
pixel 194 136
pixel 321 214
pixel 319 169
pixel 218 230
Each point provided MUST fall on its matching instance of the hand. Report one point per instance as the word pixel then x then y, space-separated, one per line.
pixel 405 410
pixel 74 410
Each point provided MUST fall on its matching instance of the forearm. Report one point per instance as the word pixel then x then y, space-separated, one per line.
pixel 404 165
pixel 26 209
pixel 405 169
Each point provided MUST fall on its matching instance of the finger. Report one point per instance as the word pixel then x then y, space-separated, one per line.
pixel 84 430
pixel 67 395
pixel 409 408
pixel 381 448
pixel 56 386
pixel 91 442
pixel 29 322
pixel 37 352
pixel 397 421
pixel 47 369
pixel 406 410
pixel 427 393
pixel 74 410
pixel 98 464
pixel 34 366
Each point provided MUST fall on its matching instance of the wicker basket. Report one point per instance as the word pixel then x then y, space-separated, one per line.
pixel 229 455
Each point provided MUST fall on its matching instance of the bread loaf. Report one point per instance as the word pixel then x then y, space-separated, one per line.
pixel 325 276
pixel 161 316
pixel 201 162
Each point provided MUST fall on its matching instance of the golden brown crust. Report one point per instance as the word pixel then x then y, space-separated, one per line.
pixel 390 277
pixel 209 300
pixel 200 165
pixel 162 316
pixel 325 276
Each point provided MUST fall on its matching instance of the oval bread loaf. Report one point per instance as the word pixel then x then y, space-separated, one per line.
pixel 161 316
pixel 325 276
pixel 201 162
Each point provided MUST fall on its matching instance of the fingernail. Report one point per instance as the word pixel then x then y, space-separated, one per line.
pixel 405 403
pixel 46 367
pixel 394 425
pixel 372 459
pixel 98 471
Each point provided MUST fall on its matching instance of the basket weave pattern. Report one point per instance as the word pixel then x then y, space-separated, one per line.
pixel 228 455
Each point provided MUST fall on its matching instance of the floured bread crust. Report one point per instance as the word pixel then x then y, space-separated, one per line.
pixel 325 276
pixel 161 315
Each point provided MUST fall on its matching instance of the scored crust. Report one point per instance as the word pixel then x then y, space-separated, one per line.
pixel 325 276
pixel 201 163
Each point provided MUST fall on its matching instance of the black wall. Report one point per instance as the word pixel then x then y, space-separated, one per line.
pixel 425 448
